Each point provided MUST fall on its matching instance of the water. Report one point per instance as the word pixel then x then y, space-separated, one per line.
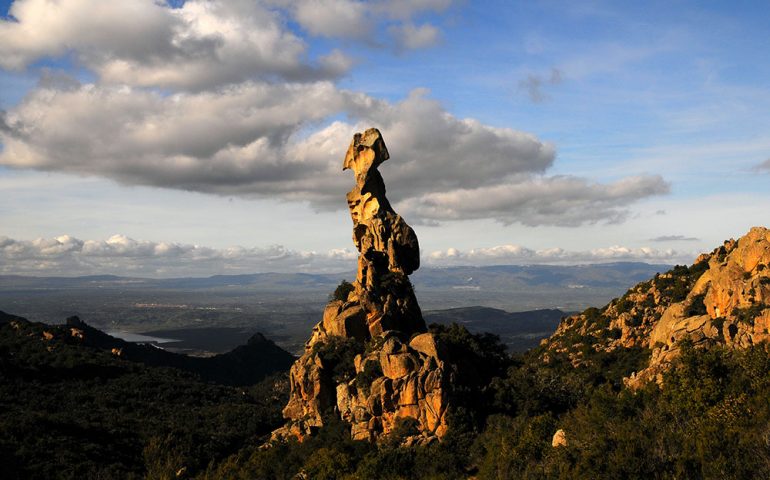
pixel 137 338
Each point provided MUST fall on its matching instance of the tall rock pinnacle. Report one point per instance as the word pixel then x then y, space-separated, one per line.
pixel 388 246
pixel 370 360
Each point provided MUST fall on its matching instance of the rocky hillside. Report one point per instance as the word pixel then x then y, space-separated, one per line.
pixel 722 299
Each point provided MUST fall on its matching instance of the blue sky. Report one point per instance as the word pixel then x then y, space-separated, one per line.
pixel 520 132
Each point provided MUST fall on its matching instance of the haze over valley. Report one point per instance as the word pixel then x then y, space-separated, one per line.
pixel 285 306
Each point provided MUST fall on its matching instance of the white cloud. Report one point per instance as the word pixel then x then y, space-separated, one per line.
pixel 121 255
pixel 406 9
pixel 516 254
pixel 262 140
pixel 333 18
pixel 141 42
pixel 361 20
pixel 241 111
pixel 412 37
pixel 560 200
pixel 65 255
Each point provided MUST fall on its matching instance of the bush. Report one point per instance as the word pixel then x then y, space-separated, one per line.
pixel 696 307
pixel 337 354
pixel 342 291
pixel 364 379
pixel 748 314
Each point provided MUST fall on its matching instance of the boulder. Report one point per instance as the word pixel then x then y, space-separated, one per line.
pixel 559 439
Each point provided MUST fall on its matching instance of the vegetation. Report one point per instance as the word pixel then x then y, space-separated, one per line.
pixel 677 283
pixel 68 411
pixel 336 355
pixel 696 306
pixel 710 421
pixel 748 314
pixel 342 291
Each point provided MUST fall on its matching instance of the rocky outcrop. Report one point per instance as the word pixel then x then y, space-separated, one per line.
pixel 722 299
pixel 559 439
pixel 370 360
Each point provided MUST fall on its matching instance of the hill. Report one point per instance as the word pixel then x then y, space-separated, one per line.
pixel 72 404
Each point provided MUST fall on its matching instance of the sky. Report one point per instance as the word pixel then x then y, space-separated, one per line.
pixel 151 138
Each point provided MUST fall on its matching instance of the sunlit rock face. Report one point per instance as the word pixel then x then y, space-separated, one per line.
pixel 722 299
pixel 370 360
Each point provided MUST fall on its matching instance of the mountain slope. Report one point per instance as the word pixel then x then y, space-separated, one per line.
pixel 70 408
pixel 722 299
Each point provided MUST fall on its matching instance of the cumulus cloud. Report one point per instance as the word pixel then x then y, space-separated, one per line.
pixel 361 19
pixel 674 238
pixel 257 139
pixel 535 84
pixel 516 254
pixel 122 255
pixel 200 45
pixel 65 255
pixel 560 200
pixel 220 97
pixel 406 9
pixel 333 18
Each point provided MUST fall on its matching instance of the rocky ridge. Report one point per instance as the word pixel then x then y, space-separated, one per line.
pixel 370 361
pixel 244 365
pixel 722 299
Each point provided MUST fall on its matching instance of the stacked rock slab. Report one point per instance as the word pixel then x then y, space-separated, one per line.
pixel 400 371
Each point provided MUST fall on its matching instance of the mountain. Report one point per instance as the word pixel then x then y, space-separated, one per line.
pixel 245 365
pixel 496 277
pixel 720 300
pixel 371 361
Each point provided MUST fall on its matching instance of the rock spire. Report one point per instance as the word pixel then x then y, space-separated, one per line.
pixel 370 361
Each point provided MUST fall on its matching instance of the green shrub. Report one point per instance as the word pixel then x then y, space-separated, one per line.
pixel 696 306
pixel 748 314
pixel 337 355
pixel 364 379
pixel 342 291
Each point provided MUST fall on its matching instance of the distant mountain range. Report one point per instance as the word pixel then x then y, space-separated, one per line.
pixel 498 277
pixel 285 306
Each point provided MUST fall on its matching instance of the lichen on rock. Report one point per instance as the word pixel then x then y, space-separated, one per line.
pixel 393 368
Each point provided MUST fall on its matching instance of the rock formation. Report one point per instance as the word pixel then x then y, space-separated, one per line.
pixel 370 361
pixel 722 299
